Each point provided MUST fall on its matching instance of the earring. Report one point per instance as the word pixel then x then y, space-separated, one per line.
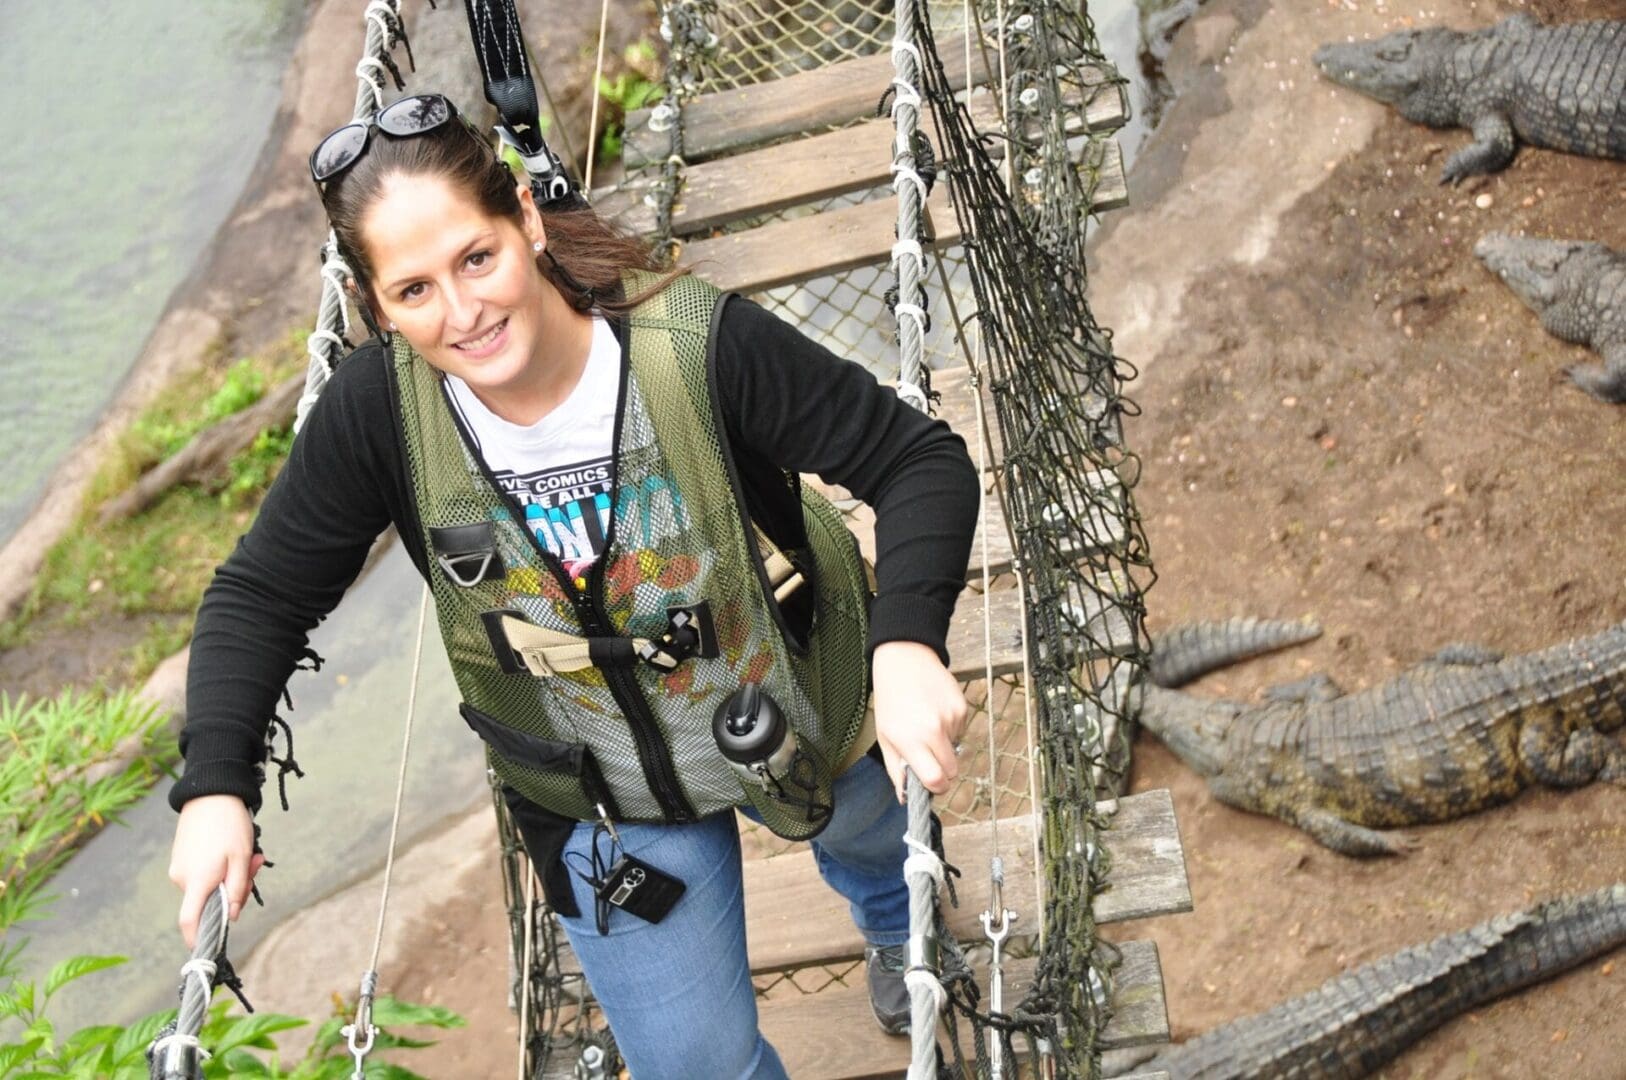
pixel 392 328
pixel 537 247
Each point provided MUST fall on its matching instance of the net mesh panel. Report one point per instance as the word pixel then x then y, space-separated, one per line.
pixel 1048 374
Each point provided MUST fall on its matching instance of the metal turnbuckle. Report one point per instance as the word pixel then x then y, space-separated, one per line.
pixel 996 938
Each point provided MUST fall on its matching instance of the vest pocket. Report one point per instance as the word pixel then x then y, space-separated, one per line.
pixel 551 756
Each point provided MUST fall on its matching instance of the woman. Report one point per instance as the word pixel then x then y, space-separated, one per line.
pixel 588 463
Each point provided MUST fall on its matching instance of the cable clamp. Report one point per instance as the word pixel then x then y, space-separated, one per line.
pixel 900 45
pixel 663 116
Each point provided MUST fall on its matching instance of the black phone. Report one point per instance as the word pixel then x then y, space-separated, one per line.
pixel 638 889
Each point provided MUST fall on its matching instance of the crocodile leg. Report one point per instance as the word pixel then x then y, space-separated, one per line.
pixel 1605 381
pixel 1567 760
pixel 1491 150
pixel 1328 828
pixel 1464 654
pixel 1311 688
pixel 1347 838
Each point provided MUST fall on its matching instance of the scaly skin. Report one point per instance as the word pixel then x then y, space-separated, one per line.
pixel 1458 733
pixel 1560 87
pixel 1351 1025
pixel 1578 290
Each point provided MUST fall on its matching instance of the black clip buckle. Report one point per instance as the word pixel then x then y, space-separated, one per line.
pixel 467 553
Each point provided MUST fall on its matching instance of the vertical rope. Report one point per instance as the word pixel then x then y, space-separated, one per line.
pixel 922 870
pixel 327 342
pixel 592 119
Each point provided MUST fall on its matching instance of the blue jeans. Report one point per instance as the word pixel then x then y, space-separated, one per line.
pixel 678 994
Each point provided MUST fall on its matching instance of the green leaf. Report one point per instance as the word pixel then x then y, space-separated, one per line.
pixel 389 1012
pixel 14 1054
pixel 139 1034
pixel 237 1062
pixel 85 1040
pixel 385 1070
pixel 255 1031
pixel 77 968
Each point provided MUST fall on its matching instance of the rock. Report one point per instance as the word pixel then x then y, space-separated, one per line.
pixel 165 689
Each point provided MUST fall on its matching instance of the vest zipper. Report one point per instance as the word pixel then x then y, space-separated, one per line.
pixel 659 772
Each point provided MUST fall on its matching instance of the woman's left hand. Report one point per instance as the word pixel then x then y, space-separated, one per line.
pixel 920 714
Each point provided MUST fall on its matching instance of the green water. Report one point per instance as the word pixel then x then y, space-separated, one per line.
pixel 129 132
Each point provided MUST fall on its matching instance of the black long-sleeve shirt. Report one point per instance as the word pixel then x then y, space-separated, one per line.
pixel 787 404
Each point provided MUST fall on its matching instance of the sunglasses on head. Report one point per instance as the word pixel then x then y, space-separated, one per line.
pixel 343 147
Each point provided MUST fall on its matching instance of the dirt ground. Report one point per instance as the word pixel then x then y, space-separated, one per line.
pixel 1366 428
pixel 1361 425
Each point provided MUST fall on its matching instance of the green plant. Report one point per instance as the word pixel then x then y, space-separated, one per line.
pixel 251 472
pixel 53 792
pixel 631 89
pixel 119 1052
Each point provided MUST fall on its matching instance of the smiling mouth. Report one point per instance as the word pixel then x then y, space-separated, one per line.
pixel 476 344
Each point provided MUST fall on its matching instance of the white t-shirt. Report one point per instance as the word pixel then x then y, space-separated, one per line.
pixel 559 468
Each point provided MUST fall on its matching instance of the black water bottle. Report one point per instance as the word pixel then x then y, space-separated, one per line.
pixel 754 736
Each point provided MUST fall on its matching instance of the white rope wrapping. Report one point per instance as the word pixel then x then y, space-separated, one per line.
pixel 913 395
pixel 922 860
pixel 375 75
pixel 161 1046
pixel 921 981
pixel 201 968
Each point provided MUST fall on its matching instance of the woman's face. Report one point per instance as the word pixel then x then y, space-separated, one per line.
pixel 462 287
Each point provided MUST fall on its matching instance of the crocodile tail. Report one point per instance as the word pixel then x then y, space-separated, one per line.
pixel 1354 1023
pixel 1189 652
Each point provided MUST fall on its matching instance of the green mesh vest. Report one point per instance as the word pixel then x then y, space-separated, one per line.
pixel 627 734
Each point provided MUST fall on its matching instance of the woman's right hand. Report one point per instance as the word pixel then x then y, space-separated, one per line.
pixel 214 842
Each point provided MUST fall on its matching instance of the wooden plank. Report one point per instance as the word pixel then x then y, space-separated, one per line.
pixel 793 919
pixel 800 171
pixel 831 1035
pixel 1148 864
pixel 839 93
pixel 803 248
pixel 1112 182
pixel 966 639
pixel 836 93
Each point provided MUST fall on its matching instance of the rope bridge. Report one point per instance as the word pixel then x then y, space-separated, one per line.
pixel 769 162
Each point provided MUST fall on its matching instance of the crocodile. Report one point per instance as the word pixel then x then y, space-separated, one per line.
pixel 1579 291
pixel 1464 730
pixel 1352 1024
pixel 1559 87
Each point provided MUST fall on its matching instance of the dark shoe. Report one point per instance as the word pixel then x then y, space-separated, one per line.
pixel 888 996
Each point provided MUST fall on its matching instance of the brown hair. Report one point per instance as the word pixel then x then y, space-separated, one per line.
pixel 585 255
